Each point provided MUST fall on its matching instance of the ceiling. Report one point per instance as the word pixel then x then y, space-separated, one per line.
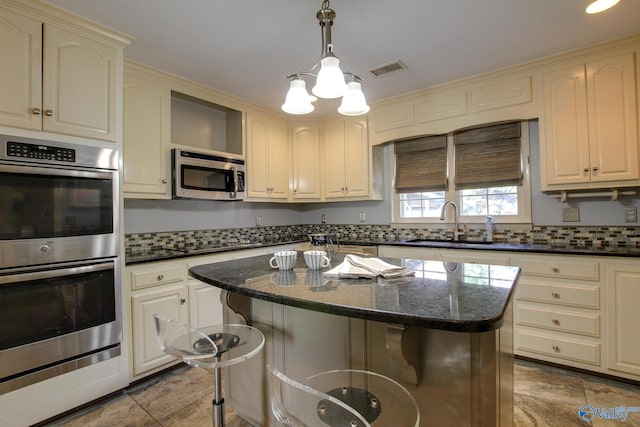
pixel 247 47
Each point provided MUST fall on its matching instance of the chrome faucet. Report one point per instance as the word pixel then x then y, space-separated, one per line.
pixel 457 233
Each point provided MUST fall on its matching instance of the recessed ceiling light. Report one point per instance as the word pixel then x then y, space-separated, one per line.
pixel 600 5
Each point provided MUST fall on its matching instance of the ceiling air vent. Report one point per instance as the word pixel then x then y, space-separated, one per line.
pixel 389 68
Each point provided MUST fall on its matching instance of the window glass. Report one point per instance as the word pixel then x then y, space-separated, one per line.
pixel 421 205
pixel 493 201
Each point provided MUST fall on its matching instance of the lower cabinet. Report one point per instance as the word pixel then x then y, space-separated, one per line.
pixel 574 310
pixel 165 288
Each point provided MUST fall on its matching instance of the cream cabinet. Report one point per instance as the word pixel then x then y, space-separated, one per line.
pixel 58 80
pixel 147 136
pixel 623 295
pixel 346 159
pixel 591 125
pixel 305 150
pixel 268 159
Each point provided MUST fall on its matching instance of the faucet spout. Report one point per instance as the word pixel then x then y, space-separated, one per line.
pixel 457 233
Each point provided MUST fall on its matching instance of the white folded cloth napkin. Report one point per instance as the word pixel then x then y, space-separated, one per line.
pixel 354 266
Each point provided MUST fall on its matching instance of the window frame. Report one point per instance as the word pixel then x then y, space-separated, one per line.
pixel 524 191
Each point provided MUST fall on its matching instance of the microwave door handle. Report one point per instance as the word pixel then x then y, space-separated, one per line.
pixel 234 193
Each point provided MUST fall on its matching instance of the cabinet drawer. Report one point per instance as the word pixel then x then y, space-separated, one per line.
pixel 579 351
pixel 551 267
pixel 564 321
pixel 562 294
pixel 145 279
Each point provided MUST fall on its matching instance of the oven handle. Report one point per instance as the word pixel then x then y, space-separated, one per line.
pixel 48 170
pixel 53 273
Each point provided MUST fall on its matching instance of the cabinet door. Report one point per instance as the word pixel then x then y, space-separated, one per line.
pixel 168 301
pixel 205 308
pixel 257 156
pixel 79 85
pixel 334 160
pixel 146 139
pixel 20 77
pixel 623 318
pixel 279 160
pixel 356 146
pixel 306 162
pixel 566 130
pixel 613 119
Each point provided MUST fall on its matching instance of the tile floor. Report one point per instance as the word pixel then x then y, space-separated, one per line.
pixel 544 396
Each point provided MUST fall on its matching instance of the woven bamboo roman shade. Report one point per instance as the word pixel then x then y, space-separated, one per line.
pixel 488 156
pixel 421 164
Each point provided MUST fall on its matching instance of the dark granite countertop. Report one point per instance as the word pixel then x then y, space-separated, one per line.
pixel 461 300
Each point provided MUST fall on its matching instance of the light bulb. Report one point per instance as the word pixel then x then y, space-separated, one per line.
pixel 600 5
pixel 298 100
pixel 353 101
pixel 330 81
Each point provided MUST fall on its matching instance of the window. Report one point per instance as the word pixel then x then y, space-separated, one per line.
pixel 491 178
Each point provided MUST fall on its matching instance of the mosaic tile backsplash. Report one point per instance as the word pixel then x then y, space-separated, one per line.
pixel 627 237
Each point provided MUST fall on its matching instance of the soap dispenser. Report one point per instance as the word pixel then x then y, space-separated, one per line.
pixel 490 227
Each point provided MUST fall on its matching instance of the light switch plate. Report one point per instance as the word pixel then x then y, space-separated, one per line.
pixel 323 218
pixel 630 214
pixel 363 217
pixel 570 215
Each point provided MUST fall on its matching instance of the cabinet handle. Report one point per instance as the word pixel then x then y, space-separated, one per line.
pixel 164 181
pixel 555 269
pixel 35 111
pixel 182 301
pixel 555 294
pixel 48 113
pixel 160 277
pixel 595 168
pixel 555 322
pixel 585 169
pixel 556 348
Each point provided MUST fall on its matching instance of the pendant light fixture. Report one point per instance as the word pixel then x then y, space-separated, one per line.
pixel 330 83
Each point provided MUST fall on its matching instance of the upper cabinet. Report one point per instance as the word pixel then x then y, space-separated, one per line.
pixel 58 80
pixel 268 161
pixel 146 136
pixel 346 159
pixel 591 125
pixel 305 151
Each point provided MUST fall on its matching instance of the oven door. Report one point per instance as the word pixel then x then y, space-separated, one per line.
pixel 52 318
pixel 56 214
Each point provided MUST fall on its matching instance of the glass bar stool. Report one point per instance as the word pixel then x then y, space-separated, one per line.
pixel 342 398
pixel 211 348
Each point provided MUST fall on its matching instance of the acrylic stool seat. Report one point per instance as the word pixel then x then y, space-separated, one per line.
pixel 342 398
pixel 211 348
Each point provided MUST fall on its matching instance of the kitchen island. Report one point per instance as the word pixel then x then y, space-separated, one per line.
pixel 445 333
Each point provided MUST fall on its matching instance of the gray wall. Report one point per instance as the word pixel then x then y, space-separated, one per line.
pixel 143 216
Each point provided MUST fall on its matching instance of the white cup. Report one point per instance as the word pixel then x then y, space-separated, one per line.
pixel 316 259
pixel 284 260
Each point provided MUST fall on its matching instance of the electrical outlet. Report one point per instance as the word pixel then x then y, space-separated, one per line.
pixel 630 214
pixel 258 221
pixel 363 217
pixel 570 215
pixel 323 218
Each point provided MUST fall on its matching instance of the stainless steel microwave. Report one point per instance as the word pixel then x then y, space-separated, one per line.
pixel 199 175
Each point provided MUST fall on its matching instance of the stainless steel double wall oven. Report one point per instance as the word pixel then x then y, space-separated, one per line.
pixel 59 264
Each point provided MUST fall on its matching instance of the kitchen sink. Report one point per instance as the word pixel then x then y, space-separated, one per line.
pixel 468 242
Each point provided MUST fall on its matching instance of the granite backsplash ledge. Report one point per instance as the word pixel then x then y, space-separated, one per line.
pixel 625 237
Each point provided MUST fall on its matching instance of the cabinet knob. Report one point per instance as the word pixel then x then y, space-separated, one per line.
pixel 555 294
pixel 48 113
pixel 595 168
pixel 556 348
pixel 35 111
pixel 182 301
pixel 555 269
pixel 585 169
pixel 555 322
pixel 160 277
pixel 164 181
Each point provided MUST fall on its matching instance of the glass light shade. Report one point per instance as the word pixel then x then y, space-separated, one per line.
pixel 298 100
pixel 600 5
pixel 330 81
pixel 353 101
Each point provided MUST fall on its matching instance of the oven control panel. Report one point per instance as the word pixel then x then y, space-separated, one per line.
pixel 41 152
